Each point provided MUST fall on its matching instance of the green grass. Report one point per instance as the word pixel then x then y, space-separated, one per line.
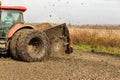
pixel 110 50
pixel 82 47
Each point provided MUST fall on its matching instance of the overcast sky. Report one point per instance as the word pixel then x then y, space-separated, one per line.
pixel 70 11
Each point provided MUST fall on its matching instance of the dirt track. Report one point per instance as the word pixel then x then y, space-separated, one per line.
pixel 77 66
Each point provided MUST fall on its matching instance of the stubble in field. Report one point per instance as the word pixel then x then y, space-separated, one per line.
pixel 107 38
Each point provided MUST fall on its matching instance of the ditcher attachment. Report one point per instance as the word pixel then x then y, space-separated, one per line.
pixel 58 36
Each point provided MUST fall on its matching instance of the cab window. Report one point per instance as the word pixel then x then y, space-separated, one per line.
pixel 10 17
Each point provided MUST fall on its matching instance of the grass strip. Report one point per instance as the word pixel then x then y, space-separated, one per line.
pixel 88 48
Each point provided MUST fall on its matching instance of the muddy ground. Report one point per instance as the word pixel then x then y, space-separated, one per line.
pixel 77 66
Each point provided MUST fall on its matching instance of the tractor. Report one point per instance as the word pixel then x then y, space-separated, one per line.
pixel 27 42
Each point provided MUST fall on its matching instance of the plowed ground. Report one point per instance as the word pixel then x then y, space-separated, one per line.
pixel 76 66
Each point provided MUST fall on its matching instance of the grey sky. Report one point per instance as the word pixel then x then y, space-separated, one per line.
pixel 70 11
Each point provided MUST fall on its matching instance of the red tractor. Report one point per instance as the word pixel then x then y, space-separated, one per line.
pixel 29 42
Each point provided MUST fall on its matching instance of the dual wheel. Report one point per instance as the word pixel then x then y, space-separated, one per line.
pixel 29 45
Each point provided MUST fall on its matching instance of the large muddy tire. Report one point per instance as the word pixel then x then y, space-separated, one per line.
pixel 13 45
pixel 32 45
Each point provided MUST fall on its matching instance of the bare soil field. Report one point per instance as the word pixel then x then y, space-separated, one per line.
pixel 76 66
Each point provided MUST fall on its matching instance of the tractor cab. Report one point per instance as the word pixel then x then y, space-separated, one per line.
pixel 10 15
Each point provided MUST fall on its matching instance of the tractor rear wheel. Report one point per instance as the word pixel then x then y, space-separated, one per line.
pixel 13 45
pixel 32 45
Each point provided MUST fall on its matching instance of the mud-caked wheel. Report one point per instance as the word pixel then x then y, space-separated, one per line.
pixel 32 45
pixel 13 45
